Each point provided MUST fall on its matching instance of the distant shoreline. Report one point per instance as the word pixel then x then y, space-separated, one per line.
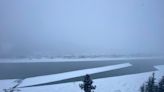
pixel 26 60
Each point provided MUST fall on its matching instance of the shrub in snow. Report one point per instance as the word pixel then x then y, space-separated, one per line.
pixel 87 84
pixel 14 88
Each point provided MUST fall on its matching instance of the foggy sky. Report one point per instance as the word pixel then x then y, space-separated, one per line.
pixel 61 27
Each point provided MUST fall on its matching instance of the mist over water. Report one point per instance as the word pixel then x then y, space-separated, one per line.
pixel 76 27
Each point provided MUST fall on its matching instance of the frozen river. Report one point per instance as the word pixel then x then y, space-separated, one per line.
pixel 32 70
pixel 26 69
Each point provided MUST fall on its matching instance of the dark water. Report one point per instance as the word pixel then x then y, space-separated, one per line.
pixel 25 70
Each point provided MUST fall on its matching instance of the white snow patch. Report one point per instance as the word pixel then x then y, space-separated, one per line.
pixel 127 83
pixel 61 76
pixel 6 84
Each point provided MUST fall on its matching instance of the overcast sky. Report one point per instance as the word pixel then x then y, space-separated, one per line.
pixel 61 27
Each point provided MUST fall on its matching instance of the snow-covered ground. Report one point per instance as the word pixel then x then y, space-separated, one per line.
pixel 126 83
pixel 67 75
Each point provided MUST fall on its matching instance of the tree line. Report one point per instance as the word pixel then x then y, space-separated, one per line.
pixel 152 86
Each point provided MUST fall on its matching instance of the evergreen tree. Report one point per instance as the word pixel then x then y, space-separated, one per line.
pixel 161 85
pixel 151 86
pixel 87 84
pixel 142 89
pixel 156 88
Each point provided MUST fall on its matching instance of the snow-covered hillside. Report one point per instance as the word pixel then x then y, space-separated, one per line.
pixel 126 83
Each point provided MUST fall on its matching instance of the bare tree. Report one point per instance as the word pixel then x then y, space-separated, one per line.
pixel 15 87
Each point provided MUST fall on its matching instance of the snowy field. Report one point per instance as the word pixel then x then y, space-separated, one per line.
pixel 125 83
